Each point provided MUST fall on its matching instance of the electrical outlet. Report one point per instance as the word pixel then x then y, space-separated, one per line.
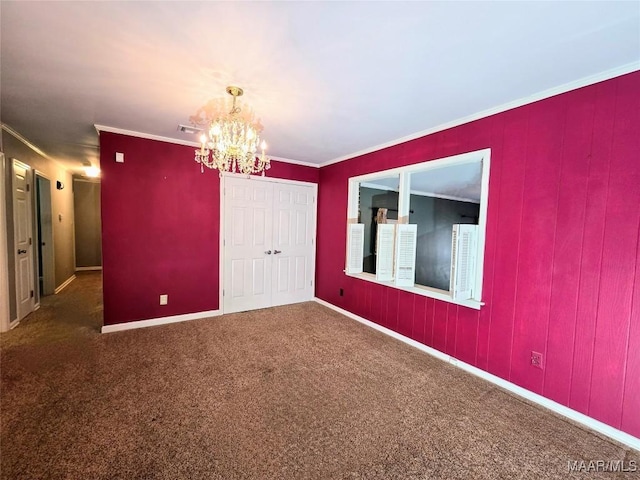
pixel 536 359
pixel 164 299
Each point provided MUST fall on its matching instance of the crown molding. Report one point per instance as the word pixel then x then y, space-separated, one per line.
pixel 294 162
pixel 175 141
pixel 147 136
pixel 19 137
pixel 32 146
pixel 567 87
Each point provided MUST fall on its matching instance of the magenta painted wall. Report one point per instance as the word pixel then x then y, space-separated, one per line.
pixel 160 228
pixel 562 271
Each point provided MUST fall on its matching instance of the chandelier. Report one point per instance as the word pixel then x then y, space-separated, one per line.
pixel 231 137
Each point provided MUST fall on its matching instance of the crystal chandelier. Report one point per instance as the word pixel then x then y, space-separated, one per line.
pixel 231 137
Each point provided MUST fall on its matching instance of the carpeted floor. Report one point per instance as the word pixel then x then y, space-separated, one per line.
pixel 294 392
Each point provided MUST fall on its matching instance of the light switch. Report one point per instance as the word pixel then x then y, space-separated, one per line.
pixel 119 157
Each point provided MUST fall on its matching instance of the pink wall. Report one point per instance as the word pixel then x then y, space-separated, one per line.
pixel 160 228
pixel 562 274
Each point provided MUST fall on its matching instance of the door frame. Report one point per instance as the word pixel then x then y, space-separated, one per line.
pixel 225 175
pixel 5 321
pixel 49 268
pixel 31 220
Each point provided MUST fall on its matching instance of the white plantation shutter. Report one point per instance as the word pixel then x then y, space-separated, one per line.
pixel 406 236
pixel 463 260
pixel 384 254
pixel 355 248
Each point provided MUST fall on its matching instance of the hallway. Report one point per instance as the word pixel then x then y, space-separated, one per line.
pixel 74 312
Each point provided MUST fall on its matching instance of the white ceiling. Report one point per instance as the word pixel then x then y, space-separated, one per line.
pixel 328 79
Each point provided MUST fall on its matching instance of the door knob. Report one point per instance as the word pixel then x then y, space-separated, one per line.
pixel 21 251
pixel 268 252
pixel 275 252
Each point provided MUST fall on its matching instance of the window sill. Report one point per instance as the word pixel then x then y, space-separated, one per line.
pixel 436 293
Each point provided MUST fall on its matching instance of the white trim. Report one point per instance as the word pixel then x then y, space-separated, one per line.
pixel 19 137
pixel 5 321
pixel 30 145
pixel 88 269
pixel 603 428
pixel 567 87
pixel 186 143
pixel 221 248
pixel 147 136
pixel 265 179
pixel 118 327
pixel 443 162
pixel 294 162
pixel 64 284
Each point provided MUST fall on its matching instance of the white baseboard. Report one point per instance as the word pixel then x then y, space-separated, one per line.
pixel 64 284
pixel 603 428
pixel 88 269
pixel 118 327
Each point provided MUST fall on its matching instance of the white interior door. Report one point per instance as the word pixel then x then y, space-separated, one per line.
pixel 268 244
pixel 247 244
pixel 22 217
pixel 293 243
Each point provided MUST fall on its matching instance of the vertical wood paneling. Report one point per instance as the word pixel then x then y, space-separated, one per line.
pixel 429 321
pixel 511 190
pixel 491 241
pixel 452 328
pixel 391 318
pixel 365 307
pixel 467 334
pixel 557 279
pixel 591 259
pixel 539 209
pixel 618 260
pixel 419 314
pixel 378 303
pixel 440 314
pixel 405 313
pixel 631 397
pixel 576 152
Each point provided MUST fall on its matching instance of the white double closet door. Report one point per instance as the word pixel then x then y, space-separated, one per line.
pixel 268 242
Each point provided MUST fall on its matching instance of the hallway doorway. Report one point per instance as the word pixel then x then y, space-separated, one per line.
pixel 44 242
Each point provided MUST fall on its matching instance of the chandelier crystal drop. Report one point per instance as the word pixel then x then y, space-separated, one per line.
pixel 231 137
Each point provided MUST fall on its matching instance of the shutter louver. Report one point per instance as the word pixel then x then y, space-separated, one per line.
pixel 355 248
pixel 463 260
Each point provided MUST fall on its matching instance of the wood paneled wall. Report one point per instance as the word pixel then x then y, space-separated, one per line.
pixel 562 274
